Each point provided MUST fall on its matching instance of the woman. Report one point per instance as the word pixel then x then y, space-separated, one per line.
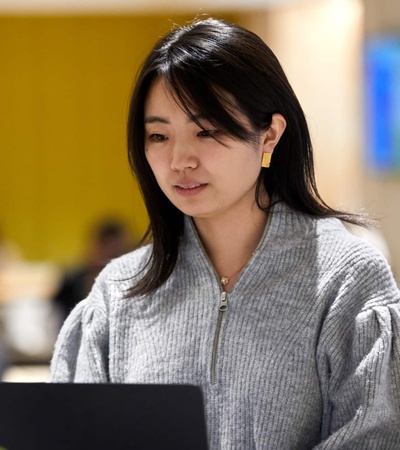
pixel 251 287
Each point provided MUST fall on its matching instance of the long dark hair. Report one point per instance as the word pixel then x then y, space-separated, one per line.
pixel 205 65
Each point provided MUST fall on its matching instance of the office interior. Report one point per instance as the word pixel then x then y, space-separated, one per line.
pixel 67 73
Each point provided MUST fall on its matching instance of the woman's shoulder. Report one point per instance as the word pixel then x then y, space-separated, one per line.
pixel 350 251
pixel 357 263
pixel 339 249
pixel 119 275
pixel 128 265
pixel 336 237
pixel 327 235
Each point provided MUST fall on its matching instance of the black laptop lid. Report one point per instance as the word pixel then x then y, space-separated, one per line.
pixel 41 416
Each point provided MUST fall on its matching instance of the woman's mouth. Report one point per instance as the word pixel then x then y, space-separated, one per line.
pixel 188 190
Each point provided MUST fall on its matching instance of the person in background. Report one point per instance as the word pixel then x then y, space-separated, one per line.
pixel 109 239
pixel 250 287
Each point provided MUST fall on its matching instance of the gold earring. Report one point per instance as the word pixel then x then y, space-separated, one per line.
pixel 266 160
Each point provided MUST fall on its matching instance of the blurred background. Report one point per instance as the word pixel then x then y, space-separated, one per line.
pixel 68 201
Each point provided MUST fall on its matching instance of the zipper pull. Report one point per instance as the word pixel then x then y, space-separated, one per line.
pixel 223 304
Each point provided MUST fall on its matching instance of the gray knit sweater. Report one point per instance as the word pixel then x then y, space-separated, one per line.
pixel 306 354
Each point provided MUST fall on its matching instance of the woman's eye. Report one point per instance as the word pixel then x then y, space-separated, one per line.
pixel 157 137
pixel 208 133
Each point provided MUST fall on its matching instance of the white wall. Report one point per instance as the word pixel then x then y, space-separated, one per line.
pixel 320 45
pixel 383 192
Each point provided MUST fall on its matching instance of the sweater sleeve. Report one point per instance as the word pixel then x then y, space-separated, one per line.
pixel 359 362
pixel 81 351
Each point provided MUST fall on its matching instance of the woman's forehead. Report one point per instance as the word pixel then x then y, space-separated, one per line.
pixel 161 90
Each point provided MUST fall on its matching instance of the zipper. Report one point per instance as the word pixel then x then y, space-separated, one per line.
pixel 222 307
pixel 223 303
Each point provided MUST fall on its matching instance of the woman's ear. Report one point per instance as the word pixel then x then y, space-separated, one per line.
pixel 274 133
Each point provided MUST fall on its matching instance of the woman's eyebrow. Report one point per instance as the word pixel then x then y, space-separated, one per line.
pixel 154 119
pixel 157 119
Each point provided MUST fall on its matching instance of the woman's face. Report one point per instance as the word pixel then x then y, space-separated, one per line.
pixel 202 177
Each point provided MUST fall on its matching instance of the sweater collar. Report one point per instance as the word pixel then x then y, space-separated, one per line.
pixel 282 221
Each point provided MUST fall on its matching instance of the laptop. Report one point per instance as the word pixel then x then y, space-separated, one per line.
pixel 42 416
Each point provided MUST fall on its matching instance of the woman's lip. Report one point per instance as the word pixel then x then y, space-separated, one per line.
pixel 188 190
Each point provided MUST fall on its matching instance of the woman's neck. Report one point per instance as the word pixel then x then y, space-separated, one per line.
pixel 231 241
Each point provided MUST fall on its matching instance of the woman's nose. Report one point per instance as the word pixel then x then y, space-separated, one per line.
pixel 183 157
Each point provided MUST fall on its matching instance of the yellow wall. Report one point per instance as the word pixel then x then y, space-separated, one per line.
pixel 64 90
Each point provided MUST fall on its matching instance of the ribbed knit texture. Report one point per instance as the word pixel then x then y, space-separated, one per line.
pixel 308 352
